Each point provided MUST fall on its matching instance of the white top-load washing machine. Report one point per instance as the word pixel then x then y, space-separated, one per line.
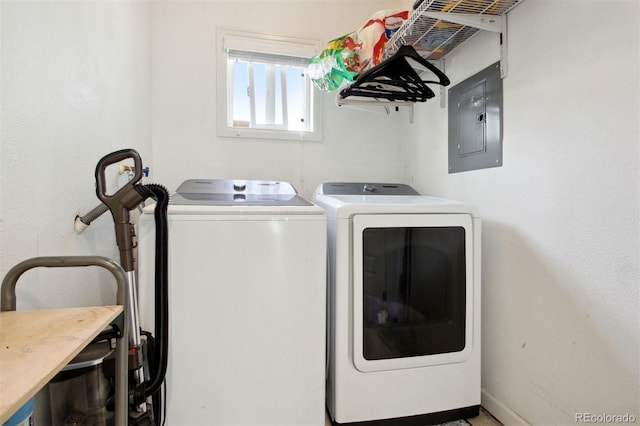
pixel 247 301
pixel 404 305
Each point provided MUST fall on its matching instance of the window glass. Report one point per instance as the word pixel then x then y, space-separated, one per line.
pixel 269 94
pixel 241 107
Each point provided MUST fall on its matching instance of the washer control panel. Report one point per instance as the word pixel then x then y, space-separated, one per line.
pixel 231 192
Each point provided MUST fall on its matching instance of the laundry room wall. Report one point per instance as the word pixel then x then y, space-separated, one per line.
pixel 560 331
pixel 560 218
pixel 356 145
pixel 75 86
pixel 82 79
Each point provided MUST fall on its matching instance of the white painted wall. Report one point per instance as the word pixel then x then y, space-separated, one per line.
pixel 561 320
pixel 75 86
pixel 357 145
pixel 561 243
pixel 77 83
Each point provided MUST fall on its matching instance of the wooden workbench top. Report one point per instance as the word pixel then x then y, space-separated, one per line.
pixel 36 345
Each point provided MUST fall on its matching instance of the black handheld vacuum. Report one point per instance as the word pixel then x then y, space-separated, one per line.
pixel 142 386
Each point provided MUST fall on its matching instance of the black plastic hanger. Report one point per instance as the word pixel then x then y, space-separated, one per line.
pixel 395 79
pixel 409 52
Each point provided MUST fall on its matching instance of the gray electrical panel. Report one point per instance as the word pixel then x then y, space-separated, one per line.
pixel 475 122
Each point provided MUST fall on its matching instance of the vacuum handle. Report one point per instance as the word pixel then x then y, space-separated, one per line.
pixel 109 159
pixel 121 202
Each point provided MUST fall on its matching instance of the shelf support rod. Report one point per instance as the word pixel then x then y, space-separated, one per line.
pixel 503 48
pixel 443 89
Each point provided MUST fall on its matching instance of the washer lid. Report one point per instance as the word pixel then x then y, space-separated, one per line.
pixel 235 192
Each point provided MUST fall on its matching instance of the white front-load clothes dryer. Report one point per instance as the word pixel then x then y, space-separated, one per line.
pixel 247 303
pixel 404 305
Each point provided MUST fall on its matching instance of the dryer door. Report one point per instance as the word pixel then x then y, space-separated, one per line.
pixel 412 290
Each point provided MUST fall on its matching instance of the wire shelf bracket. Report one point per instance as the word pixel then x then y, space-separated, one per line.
pixel 494 24
pixel 436 27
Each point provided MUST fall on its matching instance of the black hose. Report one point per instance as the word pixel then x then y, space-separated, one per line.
pixel 161 320
pixel 156 397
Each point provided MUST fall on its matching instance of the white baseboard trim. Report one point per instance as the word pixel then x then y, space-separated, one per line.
pixel 501 411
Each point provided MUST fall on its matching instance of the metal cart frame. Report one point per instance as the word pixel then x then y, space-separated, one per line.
pixel 8 303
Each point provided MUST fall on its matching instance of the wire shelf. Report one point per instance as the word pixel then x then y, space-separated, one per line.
pixel 433 38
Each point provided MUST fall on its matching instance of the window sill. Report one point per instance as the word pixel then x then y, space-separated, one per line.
pixel 246 133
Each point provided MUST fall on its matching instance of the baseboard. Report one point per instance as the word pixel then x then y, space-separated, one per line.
pixel 501 411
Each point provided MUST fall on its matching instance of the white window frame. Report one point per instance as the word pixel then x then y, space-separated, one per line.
pixel 271 44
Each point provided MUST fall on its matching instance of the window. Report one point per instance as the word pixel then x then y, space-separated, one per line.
pixel 268 94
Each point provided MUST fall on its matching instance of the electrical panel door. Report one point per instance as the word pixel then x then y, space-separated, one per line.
pixel 475 122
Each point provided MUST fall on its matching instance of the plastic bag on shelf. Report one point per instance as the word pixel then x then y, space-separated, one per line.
pixel 345 57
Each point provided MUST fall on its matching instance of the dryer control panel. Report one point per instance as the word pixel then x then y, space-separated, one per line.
pixel 365 188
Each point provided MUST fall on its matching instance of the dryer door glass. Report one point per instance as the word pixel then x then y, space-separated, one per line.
pixel 412 293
